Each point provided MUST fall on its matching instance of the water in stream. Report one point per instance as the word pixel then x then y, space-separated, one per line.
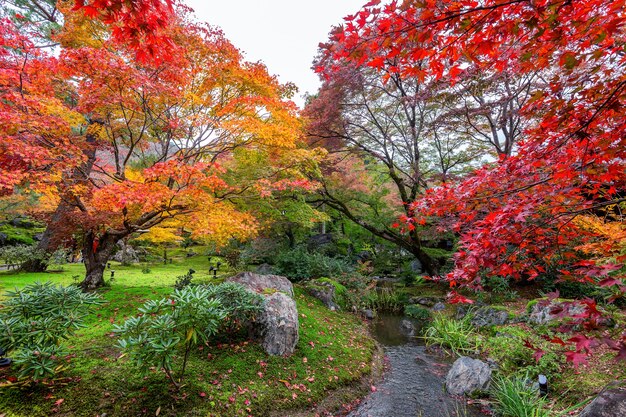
pixel 413 382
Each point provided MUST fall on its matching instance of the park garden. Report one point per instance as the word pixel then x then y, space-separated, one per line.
pixel 437 231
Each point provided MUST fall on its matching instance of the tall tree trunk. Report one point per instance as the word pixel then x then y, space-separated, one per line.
pixel 49 241
pixel 96 254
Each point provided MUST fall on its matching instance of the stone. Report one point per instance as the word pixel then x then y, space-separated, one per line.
pixel 279 319
pixel 318 241
pixel 468 376
pixel 416 266
pixel 368 314
pixel 407 327
pixel 489 316
pixel 126 254
pixel 323 291
pixel 3 238
pixel 611 402
pixel 439 306
pixel 425 301
pixel 261 283
pixel 546 311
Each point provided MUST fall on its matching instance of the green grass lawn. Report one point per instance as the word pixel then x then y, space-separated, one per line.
pixel 222 379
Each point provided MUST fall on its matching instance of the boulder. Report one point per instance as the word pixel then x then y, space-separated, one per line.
pixel 416 266
pixel 425 301
pixel 280 324
pixel 611 402
pixel 323 291
pixel 439 306
pixel 546 311
pixel 368 314
pixel 126 254
pixel 467 376
pixel 317 242
pixel 407 327
pixel 485 316
pixel 278 321
pixel 261 283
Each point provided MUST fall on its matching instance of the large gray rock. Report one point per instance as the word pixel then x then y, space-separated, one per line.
pixel 468 375
pixel 279 319
pixel 280 324
pixel 611 402
pixel 126 254
pixel 546 311
pixel 261 283
pixel 486 316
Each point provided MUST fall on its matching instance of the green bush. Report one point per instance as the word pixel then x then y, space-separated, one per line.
pixel 417 312
pixel 36 320
pixel 19 254
pixel 515 397
pixel 241 306
pixel 169 326
pixel 457 335
pixel 298 264
pixel 183 281
pixel 507 348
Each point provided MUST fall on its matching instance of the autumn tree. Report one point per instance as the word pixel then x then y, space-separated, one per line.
pixel 520 216
pixel 164 137
pixel 412 132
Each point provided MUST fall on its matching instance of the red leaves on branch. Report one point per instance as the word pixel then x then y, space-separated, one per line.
pixel 138 23
pixel 520 216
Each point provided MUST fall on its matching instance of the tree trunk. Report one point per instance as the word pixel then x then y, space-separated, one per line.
pixel 46 245
pixel 428 264
pixel 96 254
pixel 51 240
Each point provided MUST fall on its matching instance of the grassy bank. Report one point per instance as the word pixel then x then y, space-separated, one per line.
pixel 222 379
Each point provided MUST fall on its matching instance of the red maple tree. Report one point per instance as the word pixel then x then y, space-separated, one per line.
pixel 516 217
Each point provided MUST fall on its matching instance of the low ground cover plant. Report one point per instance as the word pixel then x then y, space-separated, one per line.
pixel 35 323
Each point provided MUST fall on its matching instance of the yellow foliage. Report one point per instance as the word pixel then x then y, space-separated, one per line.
pixel 219 222
pixel 608 237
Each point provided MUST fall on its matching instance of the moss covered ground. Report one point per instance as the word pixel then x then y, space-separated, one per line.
pixel 223 379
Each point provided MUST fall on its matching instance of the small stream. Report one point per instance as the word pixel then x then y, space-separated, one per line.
pixel 413 382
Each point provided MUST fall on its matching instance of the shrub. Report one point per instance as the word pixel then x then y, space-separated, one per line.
pixel 508 349
pixel 19 254
pixel 170 325
pixel 259 251
pixel 417 312
pixel 36 320
pixel 515 397
pixel 241 306
pixel 183 281
pixel 298 264
pixel 456 335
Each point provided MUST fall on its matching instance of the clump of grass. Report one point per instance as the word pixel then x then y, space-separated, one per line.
pixel 514 397
pixel 385 299
pixel 457 335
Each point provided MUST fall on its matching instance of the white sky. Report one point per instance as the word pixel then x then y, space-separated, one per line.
pixel 284 34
